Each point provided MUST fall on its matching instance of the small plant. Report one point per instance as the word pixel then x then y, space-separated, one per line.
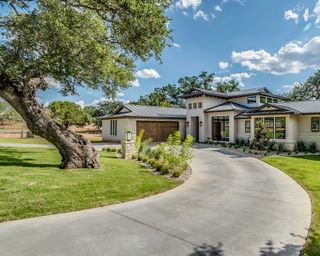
pixel 271 146
pixel 280 148
pixel 244 149
pixel 301 146
pixel 113 150
pixel 250 152
pixel 289 153
pixel 313 147
pixel 164 169
pixel 261 137
pixel 119 150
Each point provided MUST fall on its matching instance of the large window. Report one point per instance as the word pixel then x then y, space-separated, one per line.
pixel 195 105
pixel 263 99
pixel 190 106
pixel 269 125
pixel 315 124
pixel 220 128
pixel 252 99
pixel 113 127
pixel 199 104
pixel 269 100
pixel 276 126
pixel 247 126
pixel 280 132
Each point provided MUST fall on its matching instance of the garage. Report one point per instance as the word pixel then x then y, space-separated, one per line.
pixel 157 130
pixel 157 122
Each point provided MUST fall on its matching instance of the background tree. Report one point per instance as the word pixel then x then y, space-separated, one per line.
pixel 167 96
pixel 104 108
pixel 310 90
pixel 228 86
pixel 7 113
pixel 68 113
pixel 74 43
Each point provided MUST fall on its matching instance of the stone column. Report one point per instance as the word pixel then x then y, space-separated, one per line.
pixel 128 149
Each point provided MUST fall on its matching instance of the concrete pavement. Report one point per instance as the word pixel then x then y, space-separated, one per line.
pixel 231 205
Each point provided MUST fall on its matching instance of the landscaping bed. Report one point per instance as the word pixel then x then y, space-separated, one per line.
pixel 306 171
pixel 32 185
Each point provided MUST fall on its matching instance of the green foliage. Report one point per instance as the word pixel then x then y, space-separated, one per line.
pixel 229 86
pixel 313 147
pixel 8 113
pixel 167 96
pixel 301 146
pixel 91 43
pixel 139 141
pixel 261 138
pixel 103 108
pixel 310 90
pixel 67 113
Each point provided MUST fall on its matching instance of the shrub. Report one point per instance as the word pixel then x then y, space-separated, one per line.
pixel 114 150
pixel 261 138
pixel 301 147
pixel 280 148
pixel 139 140
pixel 271 146
pixel 244 149
pixel 119 150
pixel 313 147
pixel 164 169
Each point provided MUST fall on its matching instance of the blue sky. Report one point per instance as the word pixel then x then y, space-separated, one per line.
pixel 272 43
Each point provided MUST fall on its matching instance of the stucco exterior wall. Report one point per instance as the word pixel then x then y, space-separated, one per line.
pixel 121 129
pixel 240 129
pixel 125 124
pixel 304 131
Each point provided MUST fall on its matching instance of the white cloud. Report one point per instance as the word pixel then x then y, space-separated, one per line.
pixel 134 83
pixel 52 83
pixel 316 12
pixel 80 103
pixel 176 45
pixel 217 8
pixel 223 65
pixel 184 4
pixel 120 94
pixel 185 13
pixel 201 14
pixel 291 15
pixel 95 102
pixel 306 15
pixel 147 73
pixel 235 76
pixel 291 58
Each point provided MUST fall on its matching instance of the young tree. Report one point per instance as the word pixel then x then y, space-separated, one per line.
pixel 310 90
pixel 230 86
pixel 67 113
pixel 261 137
pixel 74 43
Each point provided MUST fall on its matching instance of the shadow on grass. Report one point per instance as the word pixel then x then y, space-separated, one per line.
pixel 12 157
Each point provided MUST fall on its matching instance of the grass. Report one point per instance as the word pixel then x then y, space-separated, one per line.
pixel 306 171
pixel 31 184
pixel 23 141
pixel 36 141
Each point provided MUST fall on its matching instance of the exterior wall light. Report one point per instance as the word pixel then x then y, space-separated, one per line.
pixel 128 135
pixel 200 123
pixel 187 124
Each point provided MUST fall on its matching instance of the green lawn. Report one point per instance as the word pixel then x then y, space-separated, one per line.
pixel 36 141
pixel 306 171
pixel 24 141
pixel 31 184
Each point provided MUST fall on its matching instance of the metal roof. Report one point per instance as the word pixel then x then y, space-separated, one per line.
pixel 227 106
pixel 303 107
pixel 229 95
pixel 139 111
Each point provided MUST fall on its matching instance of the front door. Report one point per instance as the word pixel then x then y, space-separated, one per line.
pixel 220 128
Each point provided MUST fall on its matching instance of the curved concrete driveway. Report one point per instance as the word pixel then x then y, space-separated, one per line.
pixel 232 205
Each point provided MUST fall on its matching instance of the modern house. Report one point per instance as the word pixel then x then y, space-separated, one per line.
pixel 212 115
pixel 216 116
pixel 157 122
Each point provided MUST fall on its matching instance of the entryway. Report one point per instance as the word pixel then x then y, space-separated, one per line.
pixel 220 128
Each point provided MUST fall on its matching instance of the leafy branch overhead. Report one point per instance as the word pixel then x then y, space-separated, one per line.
pixel 89 42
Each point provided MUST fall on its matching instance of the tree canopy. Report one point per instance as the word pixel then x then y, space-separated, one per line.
pixel 89 42
pixel 68 113
pixel 167 96
pixel 228 86
pixel 310 90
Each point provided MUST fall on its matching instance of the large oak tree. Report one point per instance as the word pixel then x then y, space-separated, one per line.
pixel 90 43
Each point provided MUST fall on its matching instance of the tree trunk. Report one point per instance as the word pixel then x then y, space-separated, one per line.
pixel 76 151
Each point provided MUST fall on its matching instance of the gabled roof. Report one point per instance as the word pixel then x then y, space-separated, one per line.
pixel 294 107
pixel 227 106
pixel 131 111
pixel 230 95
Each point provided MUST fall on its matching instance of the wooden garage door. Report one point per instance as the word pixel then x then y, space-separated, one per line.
pixel 157 131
